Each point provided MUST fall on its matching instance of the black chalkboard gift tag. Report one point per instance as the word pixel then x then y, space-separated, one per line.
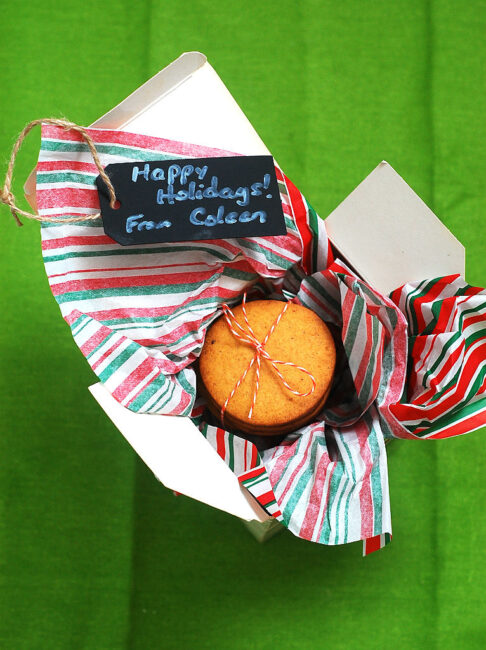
pixel 192 200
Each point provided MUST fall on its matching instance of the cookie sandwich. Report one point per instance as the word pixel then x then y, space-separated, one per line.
pixel 266 366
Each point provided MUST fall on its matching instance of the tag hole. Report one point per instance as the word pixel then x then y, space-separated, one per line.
pixel 117 205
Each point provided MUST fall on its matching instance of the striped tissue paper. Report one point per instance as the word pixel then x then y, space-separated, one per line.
pixel 410 365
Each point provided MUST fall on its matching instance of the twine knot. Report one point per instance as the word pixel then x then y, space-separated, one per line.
pixel 6 196
pixel 247 335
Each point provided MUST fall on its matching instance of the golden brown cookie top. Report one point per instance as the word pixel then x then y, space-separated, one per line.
pixel 300 337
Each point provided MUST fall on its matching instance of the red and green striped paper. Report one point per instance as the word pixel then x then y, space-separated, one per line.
pixel 412 365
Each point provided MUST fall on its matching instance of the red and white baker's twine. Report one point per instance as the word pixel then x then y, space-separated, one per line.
pixel 248 336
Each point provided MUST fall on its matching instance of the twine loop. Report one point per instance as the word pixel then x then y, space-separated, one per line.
pixel 7 197
pixel 248 336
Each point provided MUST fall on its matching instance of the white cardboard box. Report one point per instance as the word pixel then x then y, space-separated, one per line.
pixel 382 229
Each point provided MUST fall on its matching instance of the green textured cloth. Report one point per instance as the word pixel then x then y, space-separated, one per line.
pixel 94 552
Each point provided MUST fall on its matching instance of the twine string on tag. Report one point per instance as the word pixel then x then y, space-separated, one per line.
pixel 7 197
pixel 248 336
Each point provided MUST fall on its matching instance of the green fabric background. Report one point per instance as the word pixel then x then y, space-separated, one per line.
pixel 94 552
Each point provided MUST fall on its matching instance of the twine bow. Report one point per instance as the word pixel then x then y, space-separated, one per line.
pixel 249 337
pixel 6 194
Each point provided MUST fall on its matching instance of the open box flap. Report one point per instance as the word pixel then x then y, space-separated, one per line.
pixel 390 236
pixel 188 102
pixel 181 458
